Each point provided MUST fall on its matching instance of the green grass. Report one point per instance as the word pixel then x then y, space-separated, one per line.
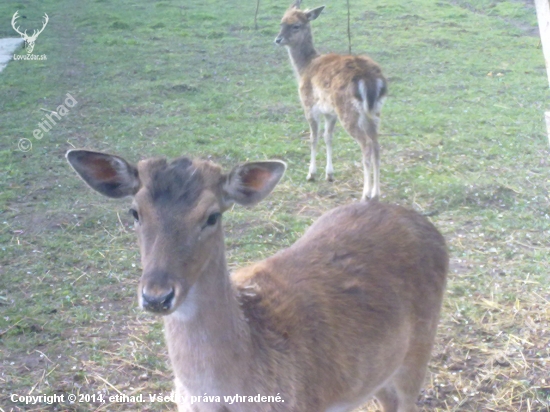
pixel 463 139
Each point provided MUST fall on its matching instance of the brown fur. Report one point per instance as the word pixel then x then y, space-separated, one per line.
pixel 364 285
pixel 349 88
pixel 346 313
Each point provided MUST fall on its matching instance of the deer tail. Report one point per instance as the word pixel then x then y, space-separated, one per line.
pixel 370 94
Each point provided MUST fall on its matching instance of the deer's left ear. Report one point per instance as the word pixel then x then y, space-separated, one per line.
pixel 249 183
pixel 313 14
pixel 110 175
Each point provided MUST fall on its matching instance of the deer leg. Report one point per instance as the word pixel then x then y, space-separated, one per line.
pixel 387 397
pixel 376 113
pixel 370 139
pixel 373 134
pixel 408 379
pixel 330 121
pixel 407 387
pixel 375 163
pixel 313 138
pixel 366 149
pixel 359 127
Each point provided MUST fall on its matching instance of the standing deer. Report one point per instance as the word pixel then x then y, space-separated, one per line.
pixel 349 88
pixel 29 40
pixel 348 312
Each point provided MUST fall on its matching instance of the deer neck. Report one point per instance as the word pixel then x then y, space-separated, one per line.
pixel 301 55
pixel 208 337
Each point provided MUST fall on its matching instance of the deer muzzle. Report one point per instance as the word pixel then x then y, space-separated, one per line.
pixel 157 303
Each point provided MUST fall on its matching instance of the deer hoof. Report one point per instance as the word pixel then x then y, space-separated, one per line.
pixel 310 177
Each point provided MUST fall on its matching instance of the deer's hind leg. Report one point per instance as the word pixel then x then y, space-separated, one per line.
pixel 363 130
pixel 401 392
pixel 375 164
pixel 373 118
pixel 312 117
pixel 330 121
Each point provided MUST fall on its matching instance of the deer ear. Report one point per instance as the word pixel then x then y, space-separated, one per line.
pixel 249 183
pixel 110 175
pixel 295 4
pixel 313 14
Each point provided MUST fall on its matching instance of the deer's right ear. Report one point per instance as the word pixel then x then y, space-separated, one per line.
pixel 110 175
pixel 313 14
pixel 249 183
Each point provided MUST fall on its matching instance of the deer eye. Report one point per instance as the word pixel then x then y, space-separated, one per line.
pixel 296 27
pixel 134 214
pixel 213 219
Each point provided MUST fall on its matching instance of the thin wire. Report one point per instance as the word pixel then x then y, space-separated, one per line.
pixel 349 30
pixel 256 15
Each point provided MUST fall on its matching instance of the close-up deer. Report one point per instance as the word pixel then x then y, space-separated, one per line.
pixel 347 313
pixel 349 88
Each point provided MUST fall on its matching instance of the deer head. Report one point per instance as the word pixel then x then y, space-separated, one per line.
pixel 29 40
pixel 177 210
pixel 295 28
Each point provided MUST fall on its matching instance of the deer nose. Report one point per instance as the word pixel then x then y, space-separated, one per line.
pixel 278 40
pixel 157 303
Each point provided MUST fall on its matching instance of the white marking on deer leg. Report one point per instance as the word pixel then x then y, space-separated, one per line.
pixel 313 138
pixel 329 129
pixel 366 183
pixel 366 173
pixel 312 165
